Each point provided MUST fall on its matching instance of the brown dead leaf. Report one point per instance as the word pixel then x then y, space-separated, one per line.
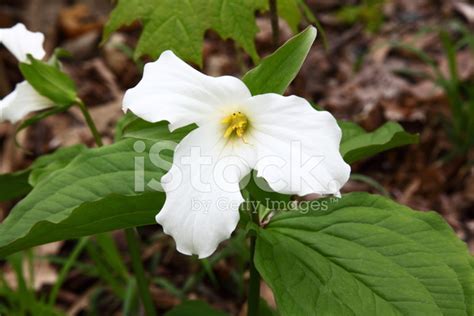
pixel 427 91
pixel 78 20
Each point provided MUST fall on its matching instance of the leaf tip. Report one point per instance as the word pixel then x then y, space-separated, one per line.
pixel 313 31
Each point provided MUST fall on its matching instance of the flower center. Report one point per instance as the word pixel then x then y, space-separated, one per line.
pixel 237 123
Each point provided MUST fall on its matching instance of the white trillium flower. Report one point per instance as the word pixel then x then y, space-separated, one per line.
pixel 24 99
pixel 237 132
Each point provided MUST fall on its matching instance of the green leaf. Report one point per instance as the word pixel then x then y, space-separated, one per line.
pixel 175 25
pixel 357 144
pixel 277 71
pixel 50 82
pixel 122 123
pixel 45 165
pixel 265 310
pixel 141 129
pixel 97 192
pixel 365 255
pixel 13 185
pixel 126 12
pixel 112 212
pixel 194 308
pixel 236 19
pixel 180 25
pixel 290 11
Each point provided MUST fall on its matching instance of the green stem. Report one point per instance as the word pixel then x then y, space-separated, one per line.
pixel 90 123
pixel 131 236
pixel 274 21
pixel 65 270
pixel 142 283
pixel 254 284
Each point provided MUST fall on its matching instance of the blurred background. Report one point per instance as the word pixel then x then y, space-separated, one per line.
pixel 409 61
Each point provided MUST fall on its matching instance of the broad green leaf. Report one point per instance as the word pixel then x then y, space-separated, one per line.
pixel 141 129
pixel 169 24
pixel 175 25
pixel 45 165
pixel 277 71
pixel 265 310
pixel 126 12
pixel 14 185
pixel 50 82
pixel 350 130
pixel 122 123
pixel 365 255
pixel 290 11
pixel 180 25
pixel 194 308
pixel 112 212
pixel 357 144
pixel 99 191
pixel 236 19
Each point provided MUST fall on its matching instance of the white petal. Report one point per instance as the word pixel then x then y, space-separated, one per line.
pixel 297 146
pixel 173 91
pixel 20 42
pixel 202 194
pixel 23 100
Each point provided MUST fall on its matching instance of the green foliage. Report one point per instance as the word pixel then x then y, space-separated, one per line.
pixel 22 300
pixel 45 165
pixel 180 25
pixel 75 181
pixel 13 185
pixel 277 71
pixel 50 82
pixel 368 12
pixel 461 98
pixel 365 255
pixel 289 10
pixel 261 191
pixel 357 144
pixel 141 129
pixel 294 12
pixel 65 206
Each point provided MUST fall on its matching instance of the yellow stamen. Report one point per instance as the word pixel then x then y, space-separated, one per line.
pixel 236 123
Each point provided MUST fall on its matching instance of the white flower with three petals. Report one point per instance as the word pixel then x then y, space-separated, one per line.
pixel 24 99
pixel 236 132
